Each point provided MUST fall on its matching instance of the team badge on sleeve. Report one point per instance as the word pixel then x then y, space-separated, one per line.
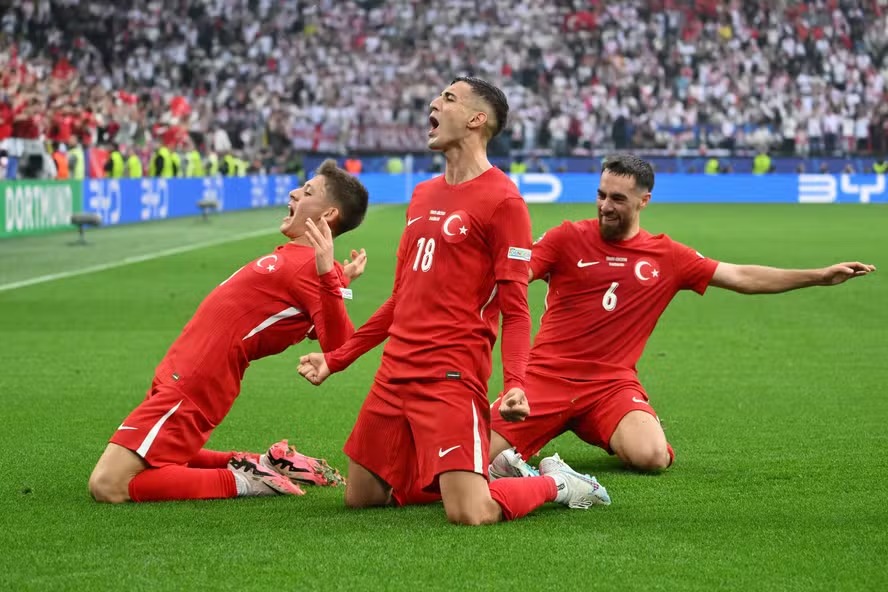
pixel 519 254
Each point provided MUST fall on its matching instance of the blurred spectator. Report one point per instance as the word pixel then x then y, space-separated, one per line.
pixel 437 163
pixel 761 164
pixel 357 75
pixel 536 165
pixel 394 165
pixel 518 166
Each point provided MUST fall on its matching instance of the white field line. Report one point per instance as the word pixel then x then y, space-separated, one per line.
pixel 130 260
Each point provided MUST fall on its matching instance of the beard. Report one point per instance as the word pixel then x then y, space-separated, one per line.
pixel 613 230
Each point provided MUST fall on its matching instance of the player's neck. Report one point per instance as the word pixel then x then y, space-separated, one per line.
pixel 300 240
pixel 629 235
pixel 464 163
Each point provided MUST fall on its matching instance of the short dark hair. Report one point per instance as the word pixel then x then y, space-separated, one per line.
pixel 628 165
pixel 491 95
pixel 348 193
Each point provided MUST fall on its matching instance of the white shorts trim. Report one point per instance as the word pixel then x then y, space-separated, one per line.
pixel 155 429
pixel 476 438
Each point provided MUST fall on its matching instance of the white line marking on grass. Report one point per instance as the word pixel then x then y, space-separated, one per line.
pixel 129 261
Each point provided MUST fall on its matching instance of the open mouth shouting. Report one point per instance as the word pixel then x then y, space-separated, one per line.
pixel 290 212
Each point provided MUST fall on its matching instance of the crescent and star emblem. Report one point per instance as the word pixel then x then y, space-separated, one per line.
pixel 270 266
pixel 641 270
pixel 462 228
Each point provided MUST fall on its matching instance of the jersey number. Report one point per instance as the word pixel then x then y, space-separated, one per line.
pixel 425 252
pixel 609 302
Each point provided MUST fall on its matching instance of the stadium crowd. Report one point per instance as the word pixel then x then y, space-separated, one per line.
pixel 250 84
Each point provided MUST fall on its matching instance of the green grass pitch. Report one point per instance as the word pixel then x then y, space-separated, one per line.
pixel 775 405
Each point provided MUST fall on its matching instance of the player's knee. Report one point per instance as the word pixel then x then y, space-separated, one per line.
pixel 649 458
pixel 466 516
pixel 356 499
pixel 472 512
pixel 107 487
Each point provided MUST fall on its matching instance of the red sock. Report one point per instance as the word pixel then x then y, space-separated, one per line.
pixel 210 459
pixel 671 454
pixel 175 482
pixel 521 496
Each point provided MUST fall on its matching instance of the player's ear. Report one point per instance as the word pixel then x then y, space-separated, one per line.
pixel 645 200
pixel 331 215
pixel 478 120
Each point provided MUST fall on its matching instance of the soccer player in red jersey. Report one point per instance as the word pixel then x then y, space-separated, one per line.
pixel 260 310
pixel 463 260
pixel 609 282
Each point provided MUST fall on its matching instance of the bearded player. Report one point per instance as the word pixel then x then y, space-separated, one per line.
pixel 609 282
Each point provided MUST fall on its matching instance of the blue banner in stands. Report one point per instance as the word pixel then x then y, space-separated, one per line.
pixel 122 201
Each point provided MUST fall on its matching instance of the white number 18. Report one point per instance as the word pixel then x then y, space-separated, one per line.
pixel 424 257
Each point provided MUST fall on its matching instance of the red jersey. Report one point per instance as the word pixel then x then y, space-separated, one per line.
pixel 605 298
pixel 443 316
pixel 262 309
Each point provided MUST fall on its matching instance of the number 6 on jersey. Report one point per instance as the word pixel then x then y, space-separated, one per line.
pixel 609 302
pixel 424 256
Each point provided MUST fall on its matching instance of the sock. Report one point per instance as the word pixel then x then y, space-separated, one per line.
pixel 175 482
pixel 671 454
pixel 210 459
pixel 520 496
pixel 560 487
pixel 243 485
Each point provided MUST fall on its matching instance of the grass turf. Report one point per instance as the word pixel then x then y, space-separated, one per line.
pixel 774 405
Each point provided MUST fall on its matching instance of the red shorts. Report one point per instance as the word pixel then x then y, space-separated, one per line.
pixel 408 433
pixel 591 409
pixel 167 428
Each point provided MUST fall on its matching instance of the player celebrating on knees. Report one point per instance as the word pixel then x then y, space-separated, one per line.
pixel 462 260
pixel 609 282
pixel 264 307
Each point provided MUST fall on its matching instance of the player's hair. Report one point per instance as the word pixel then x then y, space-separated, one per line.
pixel 494 97
pixel 348 193
pixel 629 165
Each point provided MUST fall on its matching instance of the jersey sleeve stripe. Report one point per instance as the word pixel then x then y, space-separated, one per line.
pixel 489 300
pixel 284 314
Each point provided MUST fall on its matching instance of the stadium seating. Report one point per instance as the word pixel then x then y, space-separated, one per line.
pixel 270 77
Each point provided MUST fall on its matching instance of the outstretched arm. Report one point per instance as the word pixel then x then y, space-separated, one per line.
pixel 316 367
pixel 371 334
pixel 515 347
pixel 758 279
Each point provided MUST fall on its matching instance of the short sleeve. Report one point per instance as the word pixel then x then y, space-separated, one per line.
pixel 694 271
pixel 546 250
pixel 511 240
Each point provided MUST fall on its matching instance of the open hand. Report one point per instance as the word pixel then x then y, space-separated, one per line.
pixel 354 268
pixel 841 272
pixel 321 238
